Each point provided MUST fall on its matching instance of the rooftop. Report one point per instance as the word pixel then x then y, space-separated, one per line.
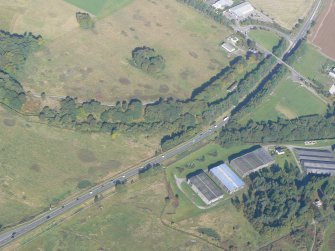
pixel 227 177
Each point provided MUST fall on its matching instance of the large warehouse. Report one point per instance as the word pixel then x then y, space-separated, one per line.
pixel 252 161
pixel 318 161
pixel 221 4
pixel 224 176
pixel 242 10
pixel 202 185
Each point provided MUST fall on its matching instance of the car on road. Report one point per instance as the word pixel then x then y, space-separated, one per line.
pixel 91 192
pixel 163 156
pixel 215 126
pixel 48 217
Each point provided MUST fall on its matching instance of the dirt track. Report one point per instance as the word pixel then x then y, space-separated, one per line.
pixel 323 34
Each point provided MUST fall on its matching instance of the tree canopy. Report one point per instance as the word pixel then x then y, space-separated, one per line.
pixel 147 59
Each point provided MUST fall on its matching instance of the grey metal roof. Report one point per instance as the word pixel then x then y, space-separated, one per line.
pixel 205 185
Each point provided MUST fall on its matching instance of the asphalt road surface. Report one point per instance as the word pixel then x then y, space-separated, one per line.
pixel 7 237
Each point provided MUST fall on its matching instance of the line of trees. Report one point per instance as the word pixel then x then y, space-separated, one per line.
pixel 314 127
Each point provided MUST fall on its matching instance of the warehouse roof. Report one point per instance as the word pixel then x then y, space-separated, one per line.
pixel 205 186
pixel 242 10
pixel 227 177
pixel 221 4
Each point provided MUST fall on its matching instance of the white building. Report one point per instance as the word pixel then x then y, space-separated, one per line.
pixel 332 74
pixel 228 47
pixel 242 10
pixel 332 90
pixel 221 4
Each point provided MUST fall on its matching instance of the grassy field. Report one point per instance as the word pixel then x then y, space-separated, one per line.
pixel 268 39
pixel 288 100
pixel 285 12
pixel 95 64
pixel 310 65
pixel 41 165
pixel 329 238
pixel 100 8
pixel 129 220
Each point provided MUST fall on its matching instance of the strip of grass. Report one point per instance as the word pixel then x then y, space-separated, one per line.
pixel 100 8
pixel 268 39
pixel 310 64
pixel 288 100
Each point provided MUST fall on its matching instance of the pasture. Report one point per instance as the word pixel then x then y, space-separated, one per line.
pixel 95 63
pixel 310 65
pixel 286 12
pixel 100 8
pixel 268 39
pixel 288 100
pixel 128 220
pixel 41 165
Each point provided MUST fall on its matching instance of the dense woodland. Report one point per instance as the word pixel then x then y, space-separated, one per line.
pixel 270 206
pixel 14 50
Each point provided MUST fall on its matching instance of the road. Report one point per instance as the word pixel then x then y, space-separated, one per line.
pixel 7 237
pixel 23 229
pixel 293 42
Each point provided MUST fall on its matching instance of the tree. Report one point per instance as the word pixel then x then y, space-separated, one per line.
pixel 85 20
pixel 147 59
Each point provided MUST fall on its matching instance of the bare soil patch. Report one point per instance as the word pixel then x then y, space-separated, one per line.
pixel 323 34
pixel 86 155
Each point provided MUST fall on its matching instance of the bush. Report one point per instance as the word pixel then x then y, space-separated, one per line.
pixel 209 232
pixel 85 20
pixel 84 184
pixel 147 59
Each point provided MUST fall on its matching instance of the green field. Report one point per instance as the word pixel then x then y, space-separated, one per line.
pixel 329 238
pixel 288 100
pixel 42 165
pixel 268 39
pixel 310 65
pixel 128 220
pixel 100 8
pixel 96 63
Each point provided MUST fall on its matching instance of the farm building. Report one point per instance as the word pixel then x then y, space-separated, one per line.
pixel 221 4
pixel 228 47
pixel 242 10
pixel 224 176
pixel 252 161
pixel 318 161
pixel 332 90
pixel 332 74
pixel 203 186
pixel 279 150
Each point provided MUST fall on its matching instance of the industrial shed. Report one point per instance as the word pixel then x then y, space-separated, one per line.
pixel 242 10
pixel 221 4
pixel 318 161
pixel 224 176
pixel 252 161
pixel 203 186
